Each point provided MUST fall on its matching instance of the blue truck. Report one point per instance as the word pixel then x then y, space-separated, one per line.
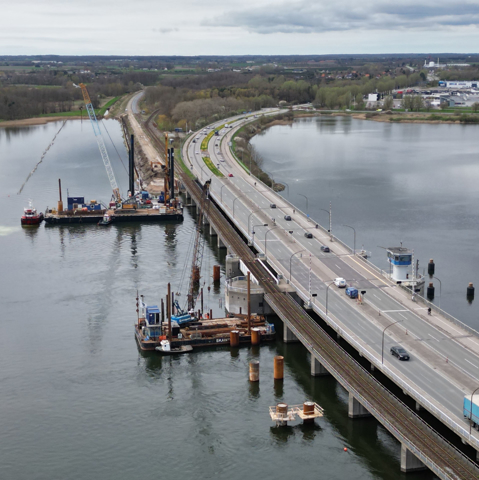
pixel 471 410
pixel 352 292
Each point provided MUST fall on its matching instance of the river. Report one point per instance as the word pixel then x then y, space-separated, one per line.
pixel 392 183
pixel 78 400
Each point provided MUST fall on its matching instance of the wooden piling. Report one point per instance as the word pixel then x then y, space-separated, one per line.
pixel 254 371
pixel 216 273
pixel 278 368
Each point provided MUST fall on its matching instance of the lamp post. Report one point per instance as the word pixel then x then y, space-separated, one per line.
pixel 249 216
pixel 382 344
pixel 260 225
pixel 241 196
pixel 270 176
pixel 330 226
pixel 221 192
pixel 307 201
pixel 291 259
pixel 327 289
pixel 440 290
pixel 354 230
pixel 282 181
pixel 470 416
pixel 265 235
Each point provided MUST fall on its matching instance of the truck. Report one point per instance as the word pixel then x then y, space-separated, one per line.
pixel 471 410
pixel 352 292
pixel 217 133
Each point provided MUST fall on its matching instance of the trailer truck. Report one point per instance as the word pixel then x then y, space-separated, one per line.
pixel 471 410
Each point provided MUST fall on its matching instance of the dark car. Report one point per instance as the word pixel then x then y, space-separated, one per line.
pixel 308 235
pixel 287 217
pixel 273 205
pixel 324 248
pixel 400 353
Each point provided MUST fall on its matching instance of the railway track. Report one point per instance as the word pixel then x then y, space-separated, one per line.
pixel 434 450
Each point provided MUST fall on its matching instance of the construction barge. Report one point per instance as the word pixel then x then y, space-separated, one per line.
pixel 178 332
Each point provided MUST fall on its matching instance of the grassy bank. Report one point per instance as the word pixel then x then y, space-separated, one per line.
pixel 99 112
pixel 212 167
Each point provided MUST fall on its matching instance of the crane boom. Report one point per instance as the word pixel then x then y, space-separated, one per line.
pixel 101 143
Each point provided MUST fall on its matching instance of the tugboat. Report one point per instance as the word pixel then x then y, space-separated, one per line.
pixel 165 348
pixel 106 220
pixel 31 217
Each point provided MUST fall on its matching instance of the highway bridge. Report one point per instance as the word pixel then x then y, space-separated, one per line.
pixel 444 365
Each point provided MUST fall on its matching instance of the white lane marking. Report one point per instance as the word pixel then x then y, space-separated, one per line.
pixel 403 316
pixel 432 336
pixel 338 266
pixel 376 296
pixel 391 311
pixel 475 366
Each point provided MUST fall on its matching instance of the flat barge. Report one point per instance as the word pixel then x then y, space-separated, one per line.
pixel 150 331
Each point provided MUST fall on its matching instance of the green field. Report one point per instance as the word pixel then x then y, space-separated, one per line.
pixel 99 112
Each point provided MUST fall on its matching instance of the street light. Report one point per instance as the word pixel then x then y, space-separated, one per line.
pixel 271 177
pixel 221 192
pixel 382 347
pixel 307 201
pixel 282 181
pixel 272 228
pixel 249 216
pixel 354 230
pixel 470 417
pixel 241 196
pixel 440 290
pixel 291 259
pixel 330 227
pixel 327 289
pixel 260 225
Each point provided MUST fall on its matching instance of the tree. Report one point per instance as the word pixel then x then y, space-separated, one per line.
pixel 475 107
pixel 388 103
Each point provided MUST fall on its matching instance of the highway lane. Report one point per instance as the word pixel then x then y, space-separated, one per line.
pixel 443 387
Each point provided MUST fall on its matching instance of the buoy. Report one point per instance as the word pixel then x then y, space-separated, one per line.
pixel 430 290
pixel 431 267
pixel 345 449
pixel 470 290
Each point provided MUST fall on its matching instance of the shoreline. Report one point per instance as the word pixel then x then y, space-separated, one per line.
pixel 28 122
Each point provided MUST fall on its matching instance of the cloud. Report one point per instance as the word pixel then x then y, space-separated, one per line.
pixel 166 30
pixel 306 17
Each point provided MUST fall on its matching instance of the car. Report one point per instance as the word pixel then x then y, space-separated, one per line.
pixel 399 352
pixel 340 282
pixel 308 235
pixel 325 248
pixel 273 205
pixel 230 174
pixel 352 292
pixel 222 159
pixel 194 141
pixel 287 218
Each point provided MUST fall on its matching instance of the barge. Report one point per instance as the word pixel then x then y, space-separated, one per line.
pixel 150 331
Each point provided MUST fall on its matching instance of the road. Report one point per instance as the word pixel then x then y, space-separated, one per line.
pixel 444 363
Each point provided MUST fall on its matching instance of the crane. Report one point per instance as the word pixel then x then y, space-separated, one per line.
pixel 101 143
pixel 199 246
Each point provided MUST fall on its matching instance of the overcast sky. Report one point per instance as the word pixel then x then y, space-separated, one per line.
pixel 214 27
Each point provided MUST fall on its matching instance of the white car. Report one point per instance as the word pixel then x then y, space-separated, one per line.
pixel 340 282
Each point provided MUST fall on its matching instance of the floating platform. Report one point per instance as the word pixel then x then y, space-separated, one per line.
pixel 144 215
pixel 281 414
pixel 204 333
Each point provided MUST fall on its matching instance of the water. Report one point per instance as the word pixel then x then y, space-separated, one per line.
pixel 391 182
pixel 78 400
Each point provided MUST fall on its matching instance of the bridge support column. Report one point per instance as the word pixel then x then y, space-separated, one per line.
pixel 205 221
pixel 409 462
pixel 220 243
pixel 288 335
pixel 317 369
pixel 212 232
pixel 356 410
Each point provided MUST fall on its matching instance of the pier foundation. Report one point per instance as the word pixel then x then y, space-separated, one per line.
pixel 220 243
pixel 356 410
pixel 409 462
pixel 288 335
pixel 212 232
pixel 317 369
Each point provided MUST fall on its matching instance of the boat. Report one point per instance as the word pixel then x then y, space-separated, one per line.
pixel 106 220
pixel 30 216
pixel 165 348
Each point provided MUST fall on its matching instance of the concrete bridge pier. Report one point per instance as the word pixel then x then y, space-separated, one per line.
pixel 205 220
pixel 355 409
pixel 409 462
pixel 288 335
pixel 220 243
pixel 212 232
pixel 317 369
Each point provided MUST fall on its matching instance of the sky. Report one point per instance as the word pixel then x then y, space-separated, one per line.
pixel 214 27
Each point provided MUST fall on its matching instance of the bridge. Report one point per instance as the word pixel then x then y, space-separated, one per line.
pixel 444 352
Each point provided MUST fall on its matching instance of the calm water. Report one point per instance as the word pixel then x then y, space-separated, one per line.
pixel 412 183
pixel 78 400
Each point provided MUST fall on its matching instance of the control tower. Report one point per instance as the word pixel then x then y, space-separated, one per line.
pixel 401 259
